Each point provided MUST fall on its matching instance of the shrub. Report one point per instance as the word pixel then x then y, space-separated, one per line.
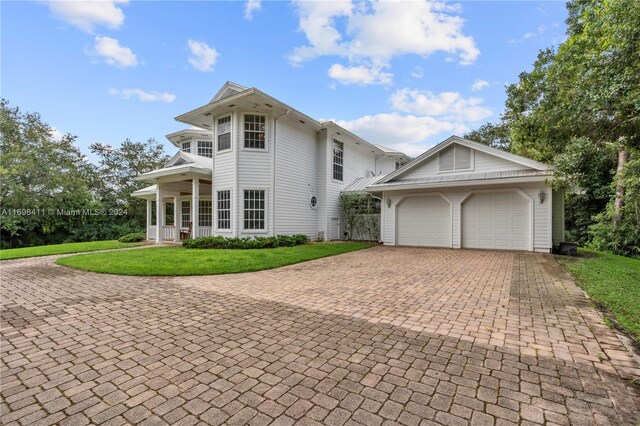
pixel 246 243
pixel 133 238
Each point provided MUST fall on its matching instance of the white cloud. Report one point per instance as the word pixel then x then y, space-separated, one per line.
pixel 113 53
pixel 535 33
pixel 250 7
pixel 88 14
pixel 375 32
pixel 143 96
pixel 203 57
pixel 56 134
pixel 360 75
pixel 447 105
pixel 417 72
pixel 479 85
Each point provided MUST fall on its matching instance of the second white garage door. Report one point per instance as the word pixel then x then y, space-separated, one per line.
pixel 424 221
pixel 496 220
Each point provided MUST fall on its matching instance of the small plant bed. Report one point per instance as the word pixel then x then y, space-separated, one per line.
pixel 613 282
pixel 20 253
pixel 173 261
pixel 246 243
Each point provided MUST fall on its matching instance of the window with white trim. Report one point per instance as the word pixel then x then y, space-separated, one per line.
pixel 224 133
pixel 254 209
pixel 185 214
pixel 224 209
pixel 154 217
pixel 205 148
pixel 204 213
pixel 168 214
pixel 456 157
pixel 338 160
pixel 254 131
pixel 186 146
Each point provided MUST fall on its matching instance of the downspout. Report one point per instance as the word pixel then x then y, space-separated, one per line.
pixel 273 186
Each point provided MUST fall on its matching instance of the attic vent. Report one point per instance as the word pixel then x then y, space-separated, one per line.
pixel 207 114
pixel 456 157
pixel 270 106
pixel 231 106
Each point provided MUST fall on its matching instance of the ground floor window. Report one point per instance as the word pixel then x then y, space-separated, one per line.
pixel 153 214
pixel 254 209
pixel 204 213
pixel 224 209
pixel 168 214
pixel 186 214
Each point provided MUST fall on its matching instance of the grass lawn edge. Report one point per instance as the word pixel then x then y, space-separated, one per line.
pixel 50 250
pixel 76 261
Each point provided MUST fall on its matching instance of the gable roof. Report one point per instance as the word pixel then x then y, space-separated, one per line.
pixel 229 89
pixel 470 144
pixel 182 157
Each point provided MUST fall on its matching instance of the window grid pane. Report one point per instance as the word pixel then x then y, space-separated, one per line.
pixel 224 133
pixel 205 148
pixel 186 146
pixel 254 209
pixel 186 214
pixel 338 160
pixel 254 131
pixel 204 213
pixel 224 209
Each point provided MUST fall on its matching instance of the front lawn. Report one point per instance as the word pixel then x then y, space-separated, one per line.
pixel 613 281
pixel 182 261
pixel 19 253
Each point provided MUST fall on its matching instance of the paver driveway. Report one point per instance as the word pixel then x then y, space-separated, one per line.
pixel 385 335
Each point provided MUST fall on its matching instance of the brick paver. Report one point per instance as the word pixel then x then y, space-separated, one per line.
pixel 381 336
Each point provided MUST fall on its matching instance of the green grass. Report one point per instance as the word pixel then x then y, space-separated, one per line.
pixel 19 253
pixel 171 261
pixel 613 281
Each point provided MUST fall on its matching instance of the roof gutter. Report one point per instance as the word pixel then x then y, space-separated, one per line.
pixel 400 187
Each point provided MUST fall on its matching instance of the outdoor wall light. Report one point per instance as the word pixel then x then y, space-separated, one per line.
pixel 388 202
pixel 541 196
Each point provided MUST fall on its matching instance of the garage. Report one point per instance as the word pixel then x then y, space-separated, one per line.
pixel 424 221
pixel 496 220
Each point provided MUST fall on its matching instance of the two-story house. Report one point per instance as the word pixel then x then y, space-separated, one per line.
pixel 252 165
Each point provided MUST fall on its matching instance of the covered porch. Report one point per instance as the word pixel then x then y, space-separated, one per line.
pixel 179 204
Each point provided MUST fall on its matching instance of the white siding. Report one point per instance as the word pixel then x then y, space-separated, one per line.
pixel 557 199
pixel 481 161
pixel 541 212
pixel 224 175
pixel 296 179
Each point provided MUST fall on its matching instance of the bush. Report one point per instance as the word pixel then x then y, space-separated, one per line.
pixel 133 238
pixel 246 243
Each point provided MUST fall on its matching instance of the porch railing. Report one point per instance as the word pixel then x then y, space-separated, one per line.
pixel 204 232
pixel 168 232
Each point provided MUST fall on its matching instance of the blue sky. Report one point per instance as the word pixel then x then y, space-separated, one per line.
pixel 405 74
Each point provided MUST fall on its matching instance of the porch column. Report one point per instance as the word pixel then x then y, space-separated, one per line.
pixel 148 219
pixel 195 210
pixel 159 215
pixel 176 218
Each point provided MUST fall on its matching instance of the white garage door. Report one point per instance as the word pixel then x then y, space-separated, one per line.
pixel 497 220
pixel 424 221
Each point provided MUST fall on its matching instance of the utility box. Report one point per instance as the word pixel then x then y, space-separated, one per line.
pixel 569 249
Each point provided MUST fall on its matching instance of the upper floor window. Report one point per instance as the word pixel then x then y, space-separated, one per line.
pixel 338 160
pixel 254 209
pixel 186 146
pixel 224 133
pixel 456 157
pixel 224 209
pixel 205 148
pixel 254 131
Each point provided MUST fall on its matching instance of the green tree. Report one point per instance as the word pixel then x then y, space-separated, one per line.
pixel 117 168
pixel 493 135
pixel 40 175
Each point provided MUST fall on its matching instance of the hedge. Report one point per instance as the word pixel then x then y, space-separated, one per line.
pixel 246 243
pixel 133 238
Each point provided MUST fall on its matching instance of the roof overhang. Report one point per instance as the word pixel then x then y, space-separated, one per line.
pixel 147 192
pixel 187 134
pixel 249 100
pixel 175 173
pixel 407 186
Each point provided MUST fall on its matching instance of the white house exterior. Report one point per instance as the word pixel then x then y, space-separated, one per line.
pixel 462 194
pixel 252 165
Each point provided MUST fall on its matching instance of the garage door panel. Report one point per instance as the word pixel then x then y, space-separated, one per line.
pixel 497 220
pixel 424 221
